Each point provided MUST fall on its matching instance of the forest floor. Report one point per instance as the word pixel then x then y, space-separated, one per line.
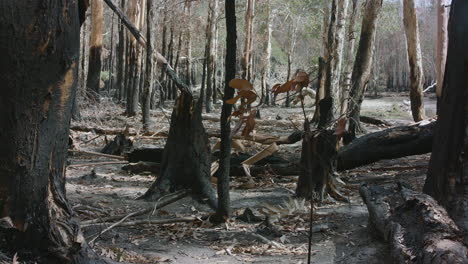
pixel 340 229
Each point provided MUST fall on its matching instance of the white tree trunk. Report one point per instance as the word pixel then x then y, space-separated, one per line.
pixel 442 42
pixel 410 21
pixel 349 58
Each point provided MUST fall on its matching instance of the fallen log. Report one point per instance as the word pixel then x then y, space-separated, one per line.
pixel 391 143
pixel 374 121
pixel 418 229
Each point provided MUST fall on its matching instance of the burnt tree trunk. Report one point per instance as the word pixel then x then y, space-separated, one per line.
pixel 186 161
pixel 391 143
pixel 447 177
pixel 94 72
pixel 38 72
pixel 224 208
pixel 418 229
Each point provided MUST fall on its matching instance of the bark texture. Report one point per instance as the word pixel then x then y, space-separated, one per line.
pixel 223 211
pixel 95 50
pixel 410 21
pixel 442 42
pixel 362 64
pixel 38 72
pixel 336 35
pixel 447 177
pixel 186 160
pixel 418 229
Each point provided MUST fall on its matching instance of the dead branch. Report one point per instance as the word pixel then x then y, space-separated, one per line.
pixel 163 201
pixel 97 164
pixel 97 154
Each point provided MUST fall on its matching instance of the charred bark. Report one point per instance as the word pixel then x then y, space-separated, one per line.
pixel 391 143
pixel 186 160
pixel 447 177
pixel 224 208
pixel 418 229
pixel 38 72
pixel 94 72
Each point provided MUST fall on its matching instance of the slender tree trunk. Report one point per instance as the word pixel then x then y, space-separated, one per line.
pixel 362 65
pixel 224 208
pixel 448 175
pixel 38 72
pixel 210 54
pixel 149 66
pixel 111 59
pixel 246 59
pixel 266 61
pixel 188 33
pixel 120 58
pixel 410 21
pixel 94 71
pixel 215 61
pixel 322 61
pixel 442 42
pixel 176 63
pixel 349 58
pixel 336 32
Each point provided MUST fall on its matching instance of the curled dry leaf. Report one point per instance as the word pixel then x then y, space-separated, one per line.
pixel 241 84
pixel 340 129
pixel 286 87
pixel 249 95
pixel 249 123
pixel 233 100
pixel 302 79
pixel 275 87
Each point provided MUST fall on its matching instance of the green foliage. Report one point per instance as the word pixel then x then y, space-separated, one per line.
pixel 105 75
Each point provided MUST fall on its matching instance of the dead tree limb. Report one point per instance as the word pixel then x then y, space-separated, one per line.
pixel 418 229
pixel 163 201
pixel 97 154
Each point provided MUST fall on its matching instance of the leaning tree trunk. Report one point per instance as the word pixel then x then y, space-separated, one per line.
pixel 94 71
pixel 223 211
pixel 186 160
pixel 447 176
pixel 38 72
pixel 362 65
pixel 410 21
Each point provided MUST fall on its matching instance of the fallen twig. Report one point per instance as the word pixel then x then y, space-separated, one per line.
pixel 97 164
pixel 163 201
pixel 97 154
